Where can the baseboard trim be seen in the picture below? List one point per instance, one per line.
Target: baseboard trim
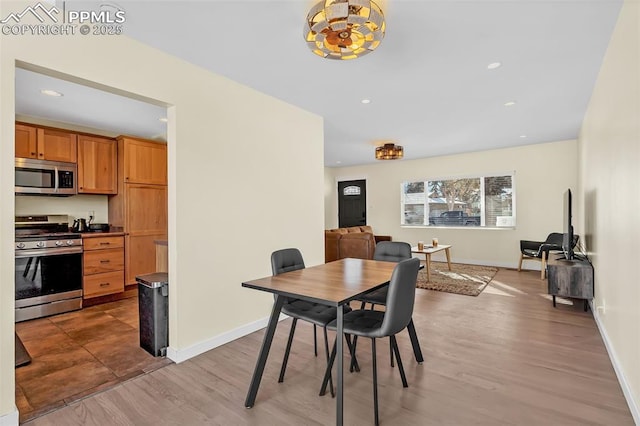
(10, 419)
(626, 390)
(181, 355)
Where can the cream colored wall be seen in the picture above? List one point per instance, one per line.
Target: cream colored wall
(542, 173)
(609, 148)
(75, 206)
(233, 196)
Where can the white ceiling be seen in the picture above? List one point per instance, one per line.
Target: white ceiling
(428, 82)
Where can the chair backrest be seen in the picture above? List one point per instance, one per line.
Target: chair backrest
(554, 238)
(285, 260)
(400, 298)
(392, 251)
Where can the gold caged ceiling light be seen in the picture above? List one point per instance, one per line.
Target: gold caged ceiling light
(344, 29)
(389, 151)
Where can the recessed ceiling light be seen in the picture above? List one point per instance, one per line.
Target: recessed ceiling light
(523, 136)
(163, 119)
(494, 65)
(338, 162)
(510, 103)
(366, 101)
(50, 92)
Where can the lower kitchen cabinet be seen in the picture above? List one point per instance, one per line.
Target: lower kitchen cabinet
(141, 255)
(103, 265)
(104, 283)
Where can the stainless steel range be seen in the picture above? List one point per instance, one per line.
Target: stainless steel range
(48, 266)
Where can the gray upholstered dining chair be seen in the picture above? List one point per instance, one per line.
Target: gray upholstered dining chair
(290, 259)
(378, 324)
(388, 251)
(392, 251)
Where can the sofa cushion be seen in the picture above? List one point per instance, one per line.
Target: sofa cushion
(353, 229)
(360, 245)
(363, 248)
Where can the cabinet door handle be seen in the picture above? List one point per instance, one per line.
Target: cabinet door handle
(106, 243)
(104, 284)
(105, 261)
(33, 153)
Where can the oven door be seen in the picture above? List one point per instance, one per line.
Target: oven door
(47, 274)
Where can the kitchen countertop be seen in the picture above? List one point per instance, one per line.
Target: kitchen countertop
(115, 233)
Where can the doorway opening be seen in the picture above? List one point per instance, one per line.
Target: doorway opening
(75, 352)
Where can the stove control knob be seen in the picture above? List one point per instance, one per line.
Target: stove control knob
(40, 244)
(59, 243)
(20, 245)
(69, 242)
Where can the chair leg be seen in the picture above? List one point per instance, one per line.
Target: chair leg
(543, 270)
(375, 382)
(362, 305)
(353, 365)
(391, 353)
(286, 352)
(327, 373)
(417, 352)
(520, 264)
(326, 350)
(315, 341)
(394, 344)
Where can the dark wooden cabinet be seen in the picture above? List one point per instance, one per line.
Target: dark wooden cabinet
(570, 278)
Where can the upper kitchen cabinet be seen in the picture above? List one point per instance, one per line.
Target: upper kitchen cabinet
(26, 141)
(97, 159)
(145, 162)
(45, 143)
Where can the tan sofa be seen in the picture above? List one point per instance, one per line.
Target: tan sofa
(356, 241)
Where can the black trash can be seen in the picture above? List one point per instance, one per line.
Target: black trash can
(153, 305)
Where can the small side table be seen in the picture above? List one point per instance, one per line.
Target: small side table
(428, 251)
(570, 278)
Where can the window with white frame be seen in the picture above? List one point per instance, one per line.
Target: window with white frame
(478, 201)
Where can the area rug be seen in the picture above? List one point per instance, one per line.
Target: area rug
(465, 279)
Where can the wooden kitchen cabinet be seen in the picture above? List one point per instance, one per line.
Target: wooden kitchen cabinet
(26, 141)
(97, 162)
(144, 161)
(140, 207)
(144, 260)
(146, 209)
(103, 265)
(45, 143)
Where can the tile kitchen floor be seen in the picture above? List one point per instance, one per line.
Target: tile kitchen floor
(80, 353)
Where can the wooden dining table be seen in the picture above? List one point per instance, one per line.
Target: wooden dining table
(332, 284)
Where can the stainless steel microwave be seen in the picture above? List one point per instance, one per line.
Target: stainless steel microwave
(40, 177)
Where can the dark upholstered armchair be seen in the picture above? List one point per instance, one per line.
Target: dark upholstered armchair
(539, 250)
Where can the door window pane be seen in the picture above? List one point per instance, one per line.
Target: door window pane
(351, 190)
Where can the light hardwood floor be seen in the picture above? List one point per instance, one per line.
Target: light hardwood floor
(505, 357)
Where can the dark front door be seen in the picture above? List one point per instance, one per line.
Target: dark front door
(352, 203)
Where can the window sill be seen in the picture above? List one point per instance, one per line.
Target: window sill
(486, 228)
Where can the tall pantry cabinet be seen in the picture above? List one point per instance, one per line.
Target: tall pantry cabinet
(140, 207)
